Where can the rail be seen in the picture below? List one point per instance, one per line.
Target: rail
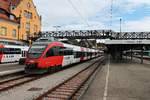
(68, 89)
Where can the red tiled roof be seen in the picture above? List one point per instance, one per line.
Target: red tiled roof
(4, 5)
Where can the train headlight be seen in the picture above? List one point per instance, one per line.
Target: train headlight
(31, 61)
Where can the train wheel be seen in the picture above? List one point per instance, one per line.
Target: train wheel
(50, 69)
(60, 67)
(53, 69)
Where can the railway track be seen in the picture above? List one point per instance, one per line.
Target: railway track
(18, 79)
(8, 84)
(11, 76)
(72, 88)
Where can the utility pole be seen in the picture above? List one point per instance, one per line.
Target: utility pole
(111, 14)
(57, 27)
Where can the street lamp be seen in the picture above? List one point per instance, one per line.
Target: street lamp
(120, 24)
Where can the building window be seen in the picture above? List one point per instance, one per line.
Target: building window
(12, 17)
(28, 5)
(28, 14)
(3, 31)
(14, 33)
(12, 7)
(2, 11)
(27, 26)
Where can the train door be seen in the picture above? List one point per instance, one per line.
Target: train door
(82, 54)
(52, 57)
(68, 56)
(6, 54)
(77, 54)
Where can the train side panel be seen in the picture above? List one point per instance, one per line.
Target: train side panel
(68, 56)
(11, 53)
(1, 55)
(58, 54)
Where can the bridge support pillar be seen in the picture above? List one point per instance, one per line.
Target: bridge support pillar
(142, 54)
(126, 56)
(131, 54)
(117, 52)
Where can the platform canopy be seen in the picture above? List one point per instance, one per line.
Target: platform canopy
(127, 42)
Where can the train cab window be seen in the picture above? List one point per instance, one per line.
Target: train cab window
(50, 52)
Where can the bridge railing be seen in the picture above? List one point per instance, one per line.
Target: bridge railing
(96, 34)
(78, 34)
(131, 35)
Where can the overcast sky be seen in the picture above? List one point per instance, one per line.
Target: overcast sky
(94, 14)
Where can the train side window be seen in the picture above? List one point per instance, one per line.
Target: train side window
(68, 51)
(21, 53)
(6, 50)
(50, 52)
(56, 49)
(61, 51)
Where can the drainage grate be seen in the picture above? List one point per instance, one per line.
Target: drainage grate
(34, 89)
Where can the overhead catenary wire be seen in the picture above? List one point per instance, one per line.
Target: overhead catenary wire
(84, 10)
(111, 14)
(78, 12)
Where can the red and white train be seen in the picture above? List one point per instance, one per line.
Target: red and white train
(45, 55)
(12, 53)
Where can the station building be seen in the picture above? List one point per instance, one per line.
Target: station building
(19, 20)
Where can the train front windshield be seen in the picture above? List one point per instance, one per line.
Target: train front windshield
(36, 51)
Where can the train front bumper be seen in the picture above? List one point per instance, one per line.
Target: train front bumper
(33, 69)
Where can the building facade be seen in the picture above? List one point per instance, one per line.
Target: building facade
(8, 22)
(19, 20)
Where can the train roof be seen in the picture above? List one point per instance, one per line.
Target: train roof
(47, 40)
(16, 46)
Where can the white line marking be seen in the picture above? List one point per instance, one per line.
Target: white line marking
(107, 79)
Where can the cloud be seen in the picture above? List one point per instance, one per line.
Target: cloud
(129, 5)
(138, 25)
(95, 12)
(78, 26)
(139, 2)
(61, 12)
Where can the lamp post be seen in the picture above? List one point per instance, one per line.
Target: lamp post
(120, 24)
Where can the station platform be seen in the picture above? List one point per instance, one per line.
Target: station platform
(10, 68)
(121, 81)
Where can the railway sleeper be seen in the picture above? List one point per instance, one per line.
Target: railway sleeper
(68, 90)
(50, 96)
(61, 93)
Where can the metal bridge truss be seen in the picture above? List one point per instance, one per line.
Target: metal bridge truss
(97, 34)
(130, 35)
(90, 34)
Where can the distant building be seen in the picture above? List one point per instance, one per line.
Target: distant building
(19, 20)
